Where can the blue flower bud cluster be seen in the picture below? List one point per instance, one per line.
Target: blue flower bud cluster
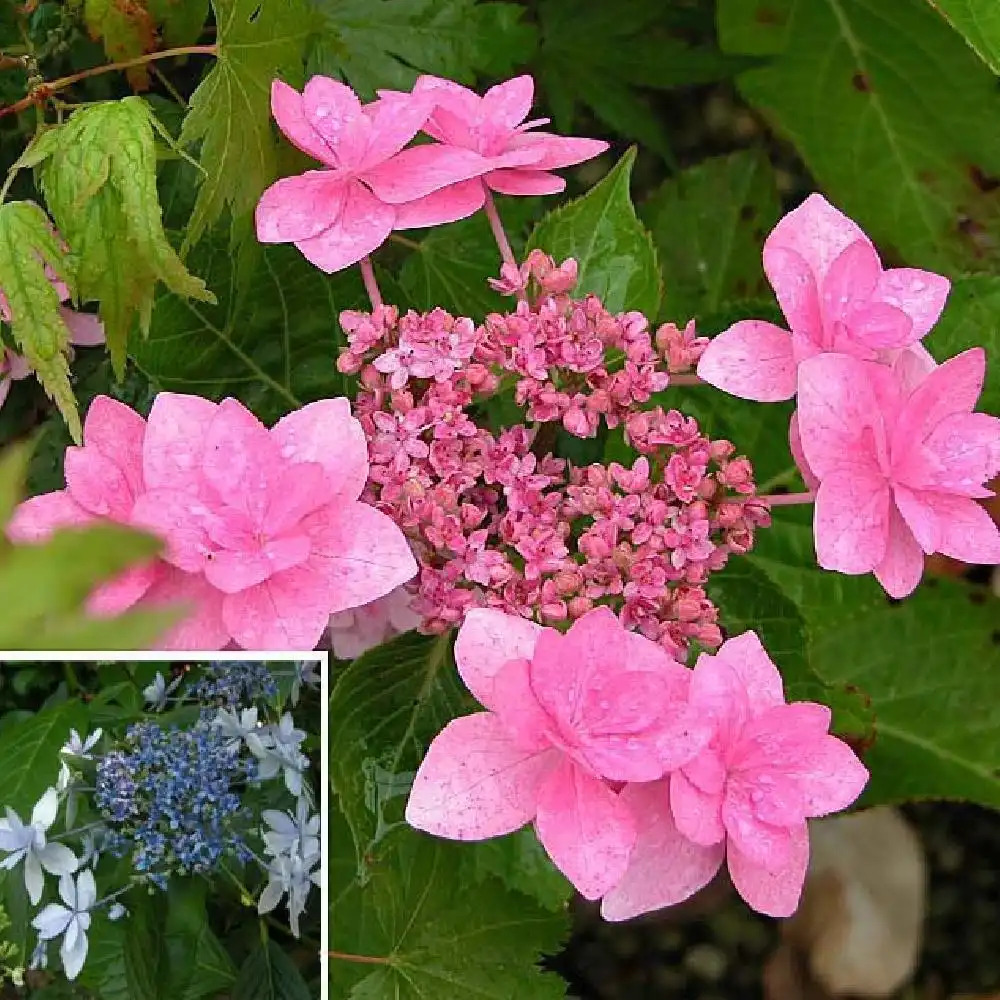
(235, 682)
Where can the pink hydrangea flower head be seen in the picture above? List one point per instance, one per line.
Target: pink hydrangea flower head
(567, 717)
(836, 297)
(514, 157)
(900, 463)
(356, 631)
(340, 214)
(270, 518)
(745, 797)
(104, 479)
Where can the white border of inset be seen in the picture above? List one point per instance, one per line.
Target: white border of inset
(199, 656)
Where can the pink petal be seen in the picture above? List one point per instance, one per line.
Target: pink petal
(299, 490)
(553, 152)
(797, 290)
(850, 281)
(457, 201)
(358, 553)
(527, 723)
(752, 360)
(775, 893)
(879, 326)
(839, 417)
(829, 774)
(911, 365)
(120, 594)
(38, 517)
(758, 841)
(241, 461)
(474, 783)
(203, 628)
(395, 121)
(902, 565)
(968, 533)
(966, 447)
(524, 182)
(173, 515)
(233, 571)
(301, 207)
(175, 440)
(817, 232)
(486, 641)
(718, 692)
(665, 867)
(919, 517)
(795, 446)
(851, 520)
(682, 736)
(585, 828)
(327, 433)
(748, 659)
(363, 226)
(117, 432)
(85, 329)
(97, 484)
(507, 104)
(920, 294)
(334, 112)
(698, 814)
(288, 112)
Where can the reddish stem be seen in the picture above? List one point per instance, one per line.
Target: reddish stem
(788, 499)
(363, 959)
(371, 285)
(497, 226)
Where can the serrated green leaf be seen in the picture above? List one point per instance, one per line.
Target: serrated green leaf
(27, 245)
(386, 708)
(180, 21)
(928, 663)
(614, 253)
(273, 339)
(98, 172)
(126, 30)
(520, 862)
(885, 104)
(230, 110)
(979, 23)
(709, 223)
(377, 44)
(269, 974)
(430, 936)
(972, 319)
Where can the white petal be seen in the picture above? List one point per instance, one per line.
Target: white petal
(73, 958)
(34, 880)
(46, 809)
(86, 890)
(52, 921)
(58, 859)
(270, 897)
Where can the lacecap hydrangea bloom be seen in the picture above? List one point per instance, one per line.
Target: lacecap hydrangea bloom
(265, 534)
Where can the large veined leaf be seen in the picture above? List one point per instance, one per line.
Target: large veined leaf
(272, 341)
(979, 23)
(615, 254)
(377, 44)
(885, 103)
(709, 223)
(269, 974)
(230, 111)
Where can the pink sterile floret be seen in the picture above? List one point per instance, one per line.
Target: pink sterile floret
(836, 297)
(490, 130)
(356, 631)
(900, 464)
(568, 717)
(339, 215)
(265, 534)
(746, 796)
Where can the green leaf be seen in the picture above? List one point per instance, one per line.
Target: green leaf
(181, 21)
(979, 23)
(520, 862)
(638, 48)
(98, 172)
(126, 30)
(427, 935)
(377, 44)
(27, 245)
(386, 708)
(929, 665)
(230, 110)
(272, 340)
(30, 751)
(709, 223)
(885, 104)
(143, 951)
(269, 974)
(615, 254)
(972, 319)
(197, 963)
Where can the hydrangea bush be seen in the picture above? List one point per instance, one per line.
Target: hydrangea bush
(607, 516)
(197, 793)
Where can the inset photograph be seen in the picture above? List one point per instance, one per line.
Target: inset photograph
(161, 830)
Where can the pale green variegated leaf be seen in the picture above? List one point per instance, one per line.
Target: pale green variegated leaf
(27, 245)
(98, 172)
(230, 112)
(615, 254)
(979, 23)
(379, 44)
(709, 223)
(886, 104)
